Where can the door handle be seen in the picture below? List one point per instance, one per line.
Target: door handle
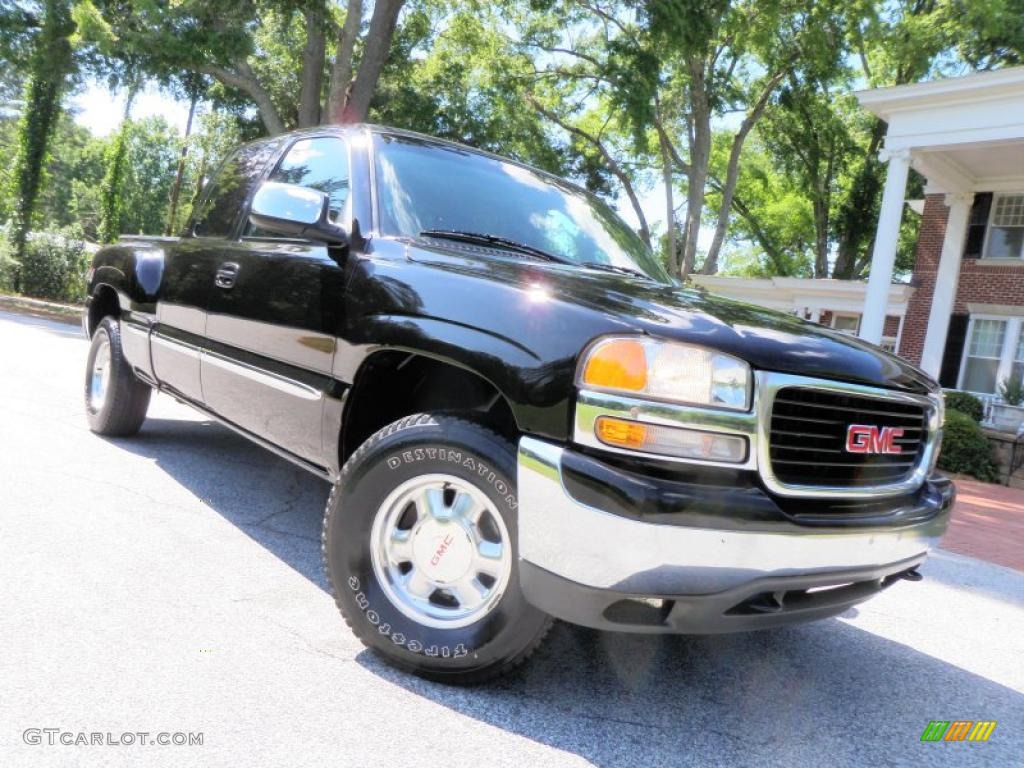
(226, 275)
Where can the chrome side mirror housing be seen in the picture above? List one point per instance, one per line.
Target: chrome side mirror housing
(294, 211)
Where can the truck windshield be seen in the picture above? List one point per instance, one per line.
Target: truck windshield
(426, 188)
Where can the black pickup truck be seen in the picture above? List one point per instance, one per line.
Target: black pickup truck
(522, 415)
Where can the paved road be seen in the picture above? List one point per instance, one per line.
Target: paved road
(171, 583)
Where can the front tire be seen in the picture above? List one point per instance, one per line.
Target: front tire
(420, 549)
(116, 401)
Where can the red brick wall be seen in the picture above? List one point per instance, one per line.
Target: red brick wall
(892, 326)
(929, 249)
(981, 283)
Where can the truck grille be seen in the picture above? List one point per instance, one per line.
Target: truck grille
(808, 438)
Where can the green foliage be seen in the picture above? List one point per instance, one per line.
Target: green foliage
(467, 86)
(593, 91)
(8, 263)
(112, 189)
(1012, 391)
(50, 65)
(772, 232)
(965, 449)
(965, 403)
(54, 266)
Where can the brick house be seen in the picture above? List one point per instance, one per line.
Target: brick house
(964, 322)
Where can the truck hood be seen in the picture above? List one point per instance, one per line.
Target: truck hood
(766, 339)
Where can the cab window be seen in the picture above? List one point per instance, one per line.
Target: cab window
(225, 195)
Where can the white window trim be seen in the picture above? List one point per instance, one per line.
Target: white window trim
(856, 315)
(988, 231)
(1014, 326)
(894, 341)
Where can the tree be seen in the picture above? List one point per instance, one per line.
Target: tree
(112, 204)
(274, 53)
(49, 68)
(666, 73)
(773, 231)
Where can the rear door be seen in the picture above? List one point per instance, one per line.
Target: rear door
(275, 314)
(190, 267)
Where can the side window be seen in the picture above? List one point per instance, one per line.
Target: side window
(322, 164)
(227, 191)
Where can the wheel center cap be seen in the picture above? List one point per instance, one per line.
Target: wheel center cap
(443, 551)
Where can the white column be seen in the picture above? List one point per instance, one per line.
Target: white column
(946, 280)
(816, 315)
(883, 258)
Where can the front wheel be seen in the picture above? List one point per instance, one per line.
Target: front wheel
(420, 548)
(116, 401)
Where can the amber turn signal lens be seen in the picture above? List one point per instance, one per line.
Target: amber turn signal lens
(671, 441)
(617, 364)
(625, 434)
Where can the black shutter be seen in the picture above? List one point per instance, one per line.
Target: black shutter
(955, 340)
(977, 225)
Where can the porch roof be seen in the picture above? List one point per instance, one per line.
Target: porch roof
(964, 134)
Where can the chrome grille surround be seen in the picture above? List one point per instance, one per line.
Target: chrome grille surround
(755, 424)
(771, 384)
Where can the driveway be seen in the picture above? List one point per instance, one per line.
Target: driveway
(171, 583)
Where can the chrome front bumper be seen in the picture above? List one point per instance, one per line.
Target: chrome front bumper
(598, 550)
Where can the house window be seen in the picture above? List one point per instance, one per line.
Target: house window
(1017, 369)
(994, 354)
(1006, 229)
(984, 353)
(849, 324)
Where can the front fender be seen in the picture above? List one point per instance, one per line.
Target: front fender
(537, 390)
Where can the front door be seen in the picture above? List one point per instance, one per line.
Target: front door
(274, 315)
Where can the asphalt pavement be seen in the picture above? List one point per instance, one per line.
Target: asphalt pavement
(171, 583)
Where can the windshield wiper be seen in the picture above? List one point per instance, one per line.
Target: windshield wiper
(615, 268)
(497, 241)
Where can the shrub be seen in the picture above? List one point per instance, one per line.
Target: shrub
(54, 266)
(1012, 391)
(8, 265)
(965, 449)
(965, 403)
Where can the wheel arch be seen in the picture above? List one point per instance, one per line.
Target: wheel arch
(393, 383)
(104, 302)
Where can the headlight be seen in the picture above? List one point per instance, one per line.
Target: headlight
(667, 371)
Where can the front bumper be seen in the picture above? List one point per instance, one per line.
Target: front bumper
(741, 568)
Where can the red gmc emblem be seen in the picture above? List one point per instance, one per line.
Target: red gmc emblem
(865, 438)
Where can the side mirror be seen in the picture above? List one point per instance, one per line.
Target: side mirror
(288, 209)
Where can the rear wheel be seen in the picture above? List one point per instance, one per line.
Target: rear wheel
(420, 549)
(116, 401)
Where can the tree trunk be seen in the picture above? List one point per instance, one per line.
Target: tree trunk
(244, 79)
(858, 218)
(670, 207)
(732, 175)
(172, 214)
(700, 156)
(341, 70)
(312, 67)
(821, 236)
(376, 48)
